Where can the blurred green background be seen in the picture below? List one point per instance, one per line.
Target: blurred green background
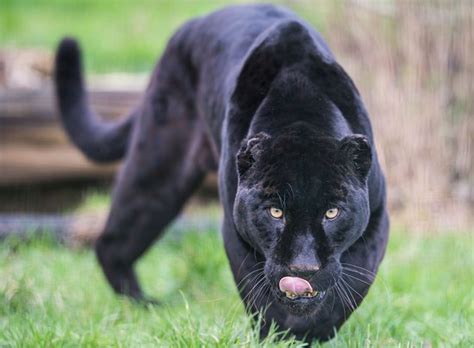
(411, 60)
(118, 35)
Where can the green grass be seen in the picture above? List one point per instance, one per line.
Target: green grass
(54, 296)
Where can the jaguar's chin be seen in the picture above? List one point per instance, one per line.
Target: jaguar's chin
(301, 304)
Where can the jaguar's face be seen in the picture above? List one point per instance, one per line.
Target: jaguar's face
(301, 202)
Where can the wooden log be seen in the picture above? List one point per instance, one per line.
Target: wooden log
(25, 107)
(33, 145)
(74, 230)
(34, 148)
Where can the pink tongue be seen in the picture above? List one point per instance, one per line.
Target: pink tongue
(295, 285)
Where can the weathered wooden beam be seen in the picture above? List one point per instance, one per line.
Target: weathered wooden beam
(75, 230)
(33, 145)
(32, 107)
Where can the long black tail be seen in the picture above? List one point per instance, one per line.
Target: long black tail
(99, 140)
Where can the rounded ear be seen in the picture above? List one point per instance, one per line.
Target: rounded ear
(355, 152)
(249, 151)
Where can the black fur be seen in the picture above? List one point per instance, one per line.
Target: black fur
(254, 92)
(100, 141)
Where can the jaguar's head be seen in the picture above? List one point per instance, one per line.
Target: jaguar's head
(302, 200)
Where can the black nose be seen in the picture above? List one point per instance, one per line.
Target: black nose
(304, 270)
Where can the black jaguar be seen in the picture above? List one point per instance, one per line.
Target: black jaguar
(253, 92)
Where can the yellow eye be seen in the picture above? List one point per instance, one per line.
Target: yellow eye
(276, 213)
(331, 213)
